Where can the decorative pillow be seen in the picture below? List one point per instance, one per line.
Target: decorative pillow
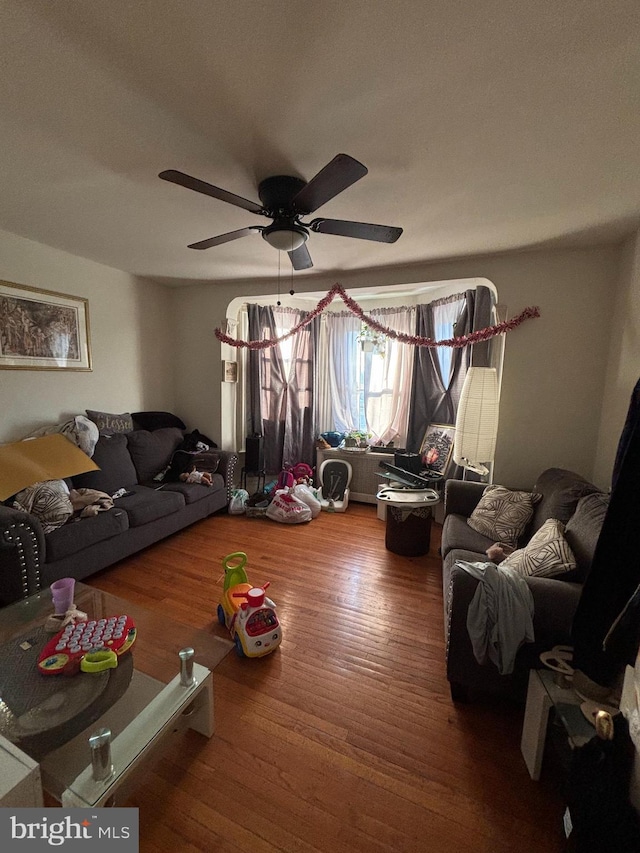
(49, 501)
(108, 423)
(502, 515)
(547, 555)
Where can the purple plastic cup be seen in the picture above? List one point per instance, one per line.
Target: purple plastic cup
(62, 594)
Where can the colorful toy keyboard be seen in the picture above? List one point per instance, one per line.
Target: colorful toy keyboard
(66, 652)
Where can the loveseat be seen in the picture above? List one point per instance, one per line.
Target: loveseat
(31, 559)
(557, 494)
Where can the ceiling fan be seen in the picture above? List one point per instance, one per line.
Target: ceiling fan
(286, 200)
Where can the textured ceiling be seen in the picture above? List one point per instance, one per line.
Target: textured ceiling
(485, 126)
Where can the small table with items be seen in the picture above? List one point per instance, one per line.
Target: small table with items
(92, 729)
(547, 690)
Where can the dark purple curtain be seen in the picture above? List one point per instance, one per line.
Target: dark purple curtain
(281, 396)
(431, 401)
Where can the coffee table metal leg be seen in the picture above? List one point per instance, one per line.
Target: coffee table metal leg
(534, 727)
(201, 717)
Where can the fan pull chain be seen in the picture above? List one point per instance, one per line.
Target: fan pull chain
(278, 302)
(291, 292)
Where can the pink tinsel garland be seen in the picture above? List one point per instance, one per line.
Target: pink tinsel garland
(413, 340)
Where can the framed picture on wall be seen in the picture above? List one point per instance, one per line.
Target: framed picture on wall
(230, 371)
(437, 447)
(43, 330)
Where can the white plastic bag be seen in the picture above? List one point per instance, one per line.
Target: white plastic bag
(238, 502)
(308, 495)
(288, 509)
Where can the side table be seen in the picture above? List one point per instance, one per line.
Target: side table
(548, 689)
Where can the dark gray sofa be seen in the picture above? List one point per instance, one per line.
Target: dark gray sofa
(565, 496)
(31, 560)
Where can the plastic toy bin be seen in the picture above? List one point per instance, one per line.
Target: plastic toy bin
(408, 530)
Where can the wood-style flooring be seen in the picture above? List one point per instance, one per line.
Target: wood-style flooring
(345, 739)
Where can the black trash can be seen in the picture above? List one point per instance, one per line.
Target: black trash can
(408, 531)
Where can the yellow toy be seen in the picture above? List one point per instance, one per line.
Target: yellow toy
(246, 611)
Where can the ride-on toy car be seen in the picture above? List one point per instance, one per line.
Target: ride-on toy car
(246, 611)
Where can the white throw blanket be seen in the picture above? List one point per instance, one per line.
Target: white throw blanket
(500, 616)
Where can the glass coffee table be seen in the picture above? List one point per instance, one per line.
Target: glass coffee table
(93, 733)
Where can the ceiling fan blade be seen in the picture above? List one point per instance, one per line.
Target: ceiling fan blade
(360, 230)
(225, 238)
(300, 258)
(336, 176)
(208, 189)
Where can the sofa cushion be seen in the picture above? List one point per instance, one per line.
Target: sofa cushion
(456, 533)
(152, 451)
(80, 533)
(546, 555)
(147, 504)
(502, 514)
(560, 491)
(194, 492)
(109, 423)
(116, 468)
(583, 530)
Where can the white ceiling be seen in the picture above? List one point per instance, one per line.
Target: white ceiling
(485, 126)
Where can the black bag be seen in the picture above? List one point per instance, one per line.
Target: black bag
(193, 439)
(598, 795)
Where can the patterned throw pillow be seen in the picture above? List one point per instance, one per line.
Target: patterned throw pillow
(547, 555)
(49, 501)
(502, 515)
(108, 423)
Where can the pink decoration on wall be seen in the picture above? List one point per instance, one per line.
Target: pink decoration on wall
(412, 340)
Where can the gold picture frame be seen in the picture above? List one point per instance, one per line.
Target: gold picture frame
(437, 447)
(42, 329)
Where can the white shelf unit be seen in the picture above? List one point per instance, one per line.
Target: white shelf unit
(367, 473)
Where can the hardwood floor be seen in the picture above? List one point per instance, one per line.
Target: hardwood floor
(345, 739)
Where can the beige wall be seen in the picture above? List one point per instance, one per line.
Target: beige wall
(623, 366)
(559, 370)
(554, 370)
(131, 342)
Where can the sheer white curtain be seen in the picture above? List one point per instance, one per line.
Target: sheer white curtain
(387, 379)
(322, 388)
(344, 370)
(445, 315)
(364, 390)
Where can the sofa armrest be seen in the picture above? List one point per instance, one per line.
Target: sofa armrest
(22, 553)
(555, 602)
(227, 467)
(462, 496)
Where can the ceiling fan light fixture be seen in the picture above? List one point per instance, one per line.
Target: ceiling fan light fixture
(285, 237)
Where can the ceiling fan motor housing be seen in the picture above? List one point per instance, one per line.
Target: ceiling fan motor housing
(277, 193)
